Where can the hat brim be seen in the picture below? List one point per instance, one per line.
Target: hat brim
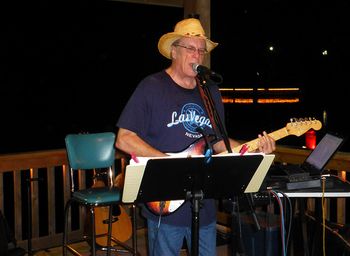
(167, 40)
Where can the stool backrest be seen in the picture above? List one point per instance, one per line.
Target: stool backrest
(91, 151)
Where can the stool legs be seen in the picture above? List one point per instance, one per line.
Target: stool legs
(109, 238)
(134, 229)
(132, 250)
(66, 230)
(93, 231)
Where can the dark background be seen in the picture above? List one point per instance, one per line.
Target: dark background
(71, 66)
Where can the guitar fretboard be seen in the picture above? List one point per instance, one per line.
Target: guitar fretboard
(254, 144)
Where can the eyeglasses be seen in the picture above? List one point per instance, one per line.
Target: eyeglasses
(191, 49)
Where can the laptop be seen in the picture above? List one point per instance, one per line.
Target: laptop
(317, 160)
(308, 173)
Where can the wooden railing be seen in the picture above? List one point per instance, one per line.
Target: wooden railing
(45, 174)
(19, 173)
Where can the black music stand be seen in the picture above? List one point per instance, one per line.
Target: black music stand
(194, 179)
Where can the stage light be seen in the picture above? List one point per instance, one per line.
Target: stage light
(310, 139)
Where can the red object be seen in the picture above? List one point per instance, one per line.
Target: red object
(134, 157)
(244, 149)
(310, 139)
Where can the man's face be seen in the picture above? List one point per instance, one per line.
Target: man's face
(188, 51)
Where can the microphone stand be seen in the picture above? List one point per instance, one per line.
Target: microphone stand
(220, 129)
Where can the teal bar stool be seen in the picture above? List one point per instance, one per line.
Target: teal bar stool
(88, 152)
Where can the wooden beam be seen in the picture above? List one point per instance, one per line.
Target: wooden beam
(1, 192)
(17, 197)
(200, 9)
(51, 200)
(173, 3)
(36, 159)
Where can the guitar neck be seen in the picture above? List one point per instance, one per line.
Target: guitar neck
(254, 144)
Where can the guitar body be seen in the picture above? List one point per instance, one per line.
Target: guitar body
(121, 222)
(296, 127)
(121, 227)
(164, 207)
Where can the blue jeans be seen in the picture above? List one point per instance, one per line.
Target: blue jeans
(168, 239)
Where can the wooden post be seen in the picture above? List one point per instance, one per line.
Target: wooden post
(341, 203)
(199, 9)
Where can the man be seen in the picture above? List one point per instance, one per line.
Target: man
(163, 116)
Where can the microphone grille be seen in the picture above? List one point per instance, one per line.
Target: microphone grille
(195, 67)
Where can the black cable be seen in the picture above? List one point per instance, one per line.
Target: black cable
(290, 216)
(161, 208)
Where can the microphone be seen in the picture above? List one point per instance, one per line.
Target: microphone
(205, 72)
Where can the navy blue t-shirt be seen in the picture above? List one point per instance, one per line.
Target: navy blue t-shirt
(166, 116)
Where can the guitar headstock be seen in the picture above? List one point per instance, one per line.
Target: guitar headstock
(298, 126)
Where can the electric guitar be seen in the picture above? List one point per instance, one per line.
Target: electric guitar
(296, 127)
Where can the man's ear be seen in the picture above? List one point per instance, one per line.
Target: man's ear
(173, 52)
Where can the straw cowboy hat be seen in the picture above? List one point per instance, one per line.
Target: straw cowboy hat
(189, 28)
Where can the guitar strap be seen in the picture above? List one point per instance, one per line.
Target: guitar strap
(208, 108)
(218, 126)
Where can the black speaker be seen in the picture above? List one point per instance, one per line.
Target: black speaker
(265, 241)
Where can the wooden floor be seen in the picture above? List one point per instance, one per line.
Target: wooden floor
(222, 250)
(267, 240)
